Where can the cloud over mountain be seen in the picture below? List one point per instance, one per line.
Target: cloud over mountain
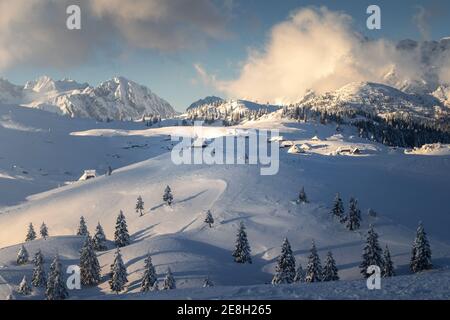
(318, 49)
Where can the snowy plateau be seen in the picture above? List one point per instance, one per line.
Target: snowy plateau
(43, 154)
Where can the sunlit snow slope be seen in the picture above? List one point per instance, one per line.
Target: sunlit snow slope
(403, 188)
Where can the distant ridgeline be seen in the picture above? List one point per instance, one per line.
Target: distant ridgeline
(229, 112)
(399, 129)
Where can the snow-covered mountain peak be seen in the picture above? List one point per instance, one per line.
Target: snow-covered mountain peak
(117, 98)
(46, 84)
(375, 98)
(209, 100)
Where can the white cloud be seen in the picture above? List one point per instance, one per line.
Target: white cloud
(34, 32)
(316, 49)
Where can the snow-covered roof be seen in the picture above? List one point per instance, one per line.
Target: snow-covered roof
(88, 174)
(287, 144)
(305, 146)
(348, 149)
(276, 139)
(295, 149)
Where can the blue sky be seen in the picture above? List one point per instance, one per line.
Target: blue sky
(171, 73)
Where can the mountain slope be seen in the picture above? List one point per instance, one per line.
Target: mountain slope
(408, 188)
(205, 101)
(376, 99)
(233, 111)
(115, 99)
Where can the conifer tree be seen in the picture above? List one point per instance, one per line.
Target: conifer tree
(338, 209)
(31, 234)
(421, 252)
(149, 278)
(169, 281)
(118, 274)
(302, 198)
(89, 265)
(121, 236)
(372, 254)
(140, 206)
(38, 279)
(168, 197)
(56, 289)
(99, 239)
(388, 265)
(22, 256)
(354, 216)
(207, 283)
(330, 271)
(82, 228)
(285, 269)
(242, 251)
(209, 218)
(24, 287)
(314, 267)
(43, 231)
(299, 274)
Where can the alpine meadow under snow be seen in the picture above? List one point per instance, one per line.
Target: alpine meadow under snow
(146, 228)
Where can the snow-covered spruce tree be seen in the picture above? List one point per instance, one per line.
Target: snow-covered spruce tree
(140, 206)
(338, 209)
(285, 269)
(149, 278)
(118, 274)
(99, 239)
(421, 252)
(56, 289)
(24, 287)
(89, 265)
(38, 279)
(168, 197)
(314, 267)
(38, 258)
(31, 234)
(207, 283)
(242, 251)
(43, 231)
(388, 265)
(302, 198)
(209, 218)
(121, 236)
(372, 253)
(82, 228)
(169, 281)
(22, 256)
(354, 215)
(330, 271)
(299, 274)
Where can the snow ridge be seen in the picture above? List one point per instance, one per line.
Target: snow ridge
(115, 99)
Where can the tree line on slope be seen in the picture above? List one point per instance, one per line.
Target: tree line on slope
(395, 130)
